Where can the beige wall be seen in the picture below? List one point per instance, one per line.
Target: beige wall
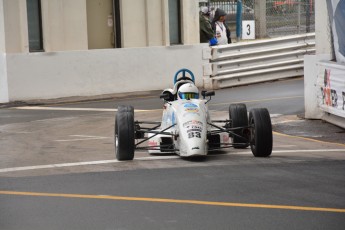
(154, 22)
(133, 23)
(100, 33)
(2, 28)
(82, 24)
(190, 22)
(146, 22)
(64, 25)
(15, 38)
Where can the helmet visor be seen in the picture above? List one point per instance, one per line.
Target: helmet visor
(188, 95)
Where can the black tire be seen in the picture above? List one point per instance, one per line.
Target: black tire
(124, 133)
(239, 118)
(261, 142)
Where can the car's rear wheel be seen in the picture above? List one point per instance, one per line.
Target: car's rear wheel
(124, 133)
(239, 118)
(261, 142)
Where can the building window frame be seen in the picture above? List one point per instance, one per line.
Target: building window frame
(35, 28)
(175, 31)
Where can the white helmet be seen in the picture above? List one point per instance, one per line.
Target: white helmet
(188, 91)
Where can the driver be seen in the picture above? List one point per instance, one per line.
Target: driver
(188, 91)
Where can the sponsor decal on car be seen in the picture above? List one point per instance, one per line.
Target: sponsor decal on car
(194, 128)
(192, 122)
(191, 110)
(226, 138)
(152, 143)
(190, 105)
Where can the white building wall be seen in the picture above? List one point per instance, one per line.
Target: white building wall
(97, 72)
(78, 71)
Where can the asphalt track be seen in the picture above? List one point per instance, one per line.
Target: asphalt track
(58, 171)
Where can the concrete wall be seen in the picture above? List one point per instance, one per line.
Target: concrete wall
(312, 110)
(3, 79)
(64, 25)
(97, 72)
(323, 38)
(323, 34)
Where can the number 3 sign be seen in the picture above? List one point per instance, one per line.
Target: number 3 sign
(248, 29)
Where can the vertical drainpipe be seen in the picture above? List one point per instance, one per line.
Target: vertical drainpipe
(239, 20)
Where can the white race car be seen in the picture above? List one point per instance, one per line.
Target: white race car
(187, 129)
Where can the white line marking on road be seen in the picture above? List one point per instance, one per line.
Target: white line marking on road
(309, 150)
(71, 109)
(83, 138)
(50, 166)
(259, 100)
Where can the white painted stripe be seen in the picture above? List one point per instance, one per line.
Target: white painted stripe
(64, 109)
(50, 166)
(83, 138)
(72, 109)
(309, 150)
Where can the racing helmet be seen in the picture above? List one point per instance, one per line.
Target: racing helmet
(188, 91)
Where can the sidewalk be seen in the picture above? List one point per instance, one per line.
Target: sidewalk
(310, 129)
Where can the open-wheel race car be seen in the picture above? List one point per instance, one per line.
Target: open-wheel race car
(186, 128)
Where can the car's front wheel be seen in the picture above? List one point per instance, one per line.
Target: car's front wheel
(261, 140)
(124, 133)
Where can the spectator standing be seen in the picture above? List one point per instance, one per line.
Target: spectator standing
(212, 11)
(221, 28)
(206, 31)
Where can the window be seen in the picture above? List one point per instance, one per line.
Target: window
(174, 22)
(34, 25)
(117, 24)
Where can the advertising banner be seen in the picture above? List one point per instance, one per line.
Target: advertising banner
(336, 12)
(331, 84)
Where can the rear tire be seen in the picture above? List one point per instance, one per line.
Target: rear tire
(261, 142)
(239, 118)
(124, 133)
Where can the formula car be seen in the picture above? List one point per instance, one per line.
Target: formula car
(186, 128)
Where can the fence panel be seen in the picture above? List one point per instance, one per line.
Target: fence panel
(259, 61)
(283, 17)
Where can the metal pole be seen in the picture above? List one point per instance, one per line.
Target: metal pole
(239, 20)
(299, 17)
(307, 22)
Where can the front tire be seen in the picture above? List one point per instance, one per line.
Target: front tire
(239, 118)
(261, 142)
(124, 133)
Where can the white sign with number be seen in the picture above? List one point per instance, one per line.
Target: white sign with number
(248, 29)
